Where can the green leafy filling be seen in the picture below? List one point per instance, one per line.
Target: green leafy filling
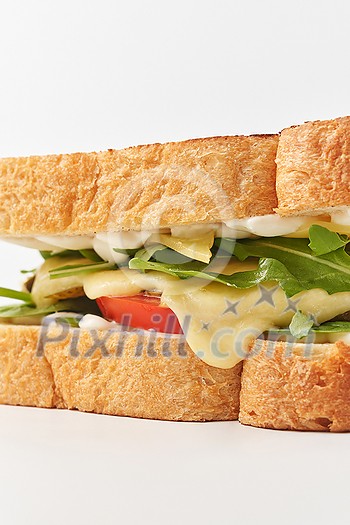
(69, 270)
(329, 327)
(295, 264)
(14, 294)
(79, 305)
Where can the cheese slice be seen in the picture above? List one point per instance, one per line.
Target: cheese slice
(44, 289)
(125, 282)
(197, 248)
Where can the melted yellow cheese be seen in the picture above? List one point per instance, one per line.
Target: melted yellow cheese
(220, 322)
(44, 287)
(197, 248)
(125, 282)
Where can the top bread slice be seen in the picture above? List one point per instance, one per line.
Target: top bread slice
(313, 167)
(145, 187)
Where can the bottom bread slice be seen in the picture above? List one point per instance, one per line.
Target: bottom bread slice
(137, 374)
(148, 375)
(298, 387)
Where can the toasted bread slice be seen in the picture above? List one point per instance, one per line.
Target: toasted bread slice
(313, 167)
(145, 187)
(119, 373)
(297, 388)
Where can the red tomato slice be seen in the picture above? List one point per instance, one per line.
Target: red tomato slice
(140, 311)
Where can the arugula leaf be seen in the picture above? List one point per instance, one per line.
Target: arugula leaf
(183, 271)
(333, 327)
(72, 321)
(148, 252)
(64, 253)
(76, 269)
(131, 252)
(300, 325)
(329, 327)
(268, 270)
(26, 310)
(91, 255)
(14, 294)
(45, 254)
(330, 271)
(225, 244)
(81, 305)
(324, 241)
(162, 254)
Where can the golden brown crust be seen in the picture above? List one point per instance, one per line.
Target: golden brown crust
(24, 378)
(201, 181)
(295, 392)
(127, 376)
(313, 167)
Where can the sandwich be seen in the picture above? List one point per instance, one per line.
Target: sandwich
(203, 280)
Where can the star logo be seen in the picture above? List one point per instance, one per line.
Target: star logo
(291, 306)
(205, 326)
(314, 319)
(231, 307)
(266, 295)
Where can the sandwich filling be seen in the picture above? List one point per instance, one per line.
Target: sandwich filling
(222, 286)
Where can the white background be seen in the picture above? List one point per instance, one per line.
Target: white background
(88, 75)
